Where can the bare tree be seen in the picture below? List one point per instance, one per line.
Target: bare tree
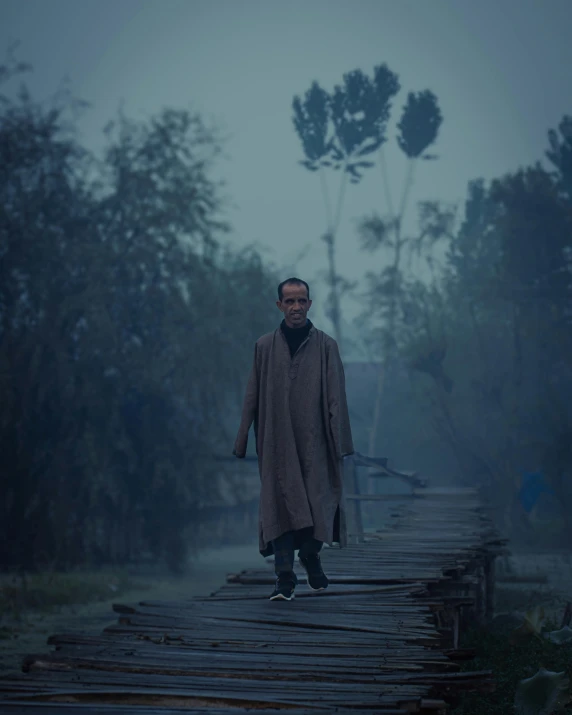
(418, 129)
(336, 132)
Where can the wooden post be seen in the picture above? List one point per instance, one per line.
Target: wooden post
(482, 592)
(489, 586)
(354, 506)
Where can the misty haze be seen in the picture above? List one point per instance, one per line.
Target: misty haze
(315, 251)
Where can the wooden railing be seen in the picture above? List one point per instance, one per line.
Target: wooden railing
(355, 498)
(353, 495)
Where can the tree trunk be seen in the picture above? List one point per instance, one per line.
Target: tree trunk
(389, 354)
(334, 311)
(389, 347)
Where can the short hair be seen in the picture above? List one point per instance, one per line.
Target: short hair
(293, 281)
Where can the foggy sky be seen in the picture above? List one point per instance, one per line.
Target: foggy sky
(500, 69)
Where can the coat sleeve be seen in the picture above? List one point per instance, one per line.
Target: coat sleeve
(337, 403)
(249, 408)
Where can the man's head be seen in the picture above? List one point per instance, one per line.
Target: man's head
(294, 301)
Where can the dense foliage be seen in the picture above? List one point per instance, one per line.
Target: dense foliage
(123, 336)
(488, 339)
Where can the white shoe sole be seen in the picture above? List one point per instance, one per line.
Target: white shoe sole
(281, 597)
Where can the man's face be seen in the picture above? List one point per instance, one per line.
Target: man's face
(294, 304)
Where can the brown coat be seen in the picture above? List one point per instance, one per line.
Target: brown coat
(302, 429)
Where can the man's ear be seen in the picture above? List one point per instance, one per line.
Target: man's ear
(279, 305)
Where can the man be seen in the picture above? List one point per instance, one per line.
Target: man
(296, 399)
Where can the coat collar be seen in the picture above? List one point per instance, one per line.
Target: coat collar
(279, 331)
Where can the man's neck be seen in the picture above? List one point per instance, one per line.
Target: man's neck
(296, 327)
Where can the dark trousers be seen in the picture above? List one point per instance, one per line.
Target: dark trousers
(284, 547)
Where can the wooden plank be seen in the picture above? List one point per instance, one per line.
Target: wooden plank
(90, 686)
(354, 496)
(296, 637)
(361, 460)
(177, 661)
(372, 640)
(376, 651)
(102, 708)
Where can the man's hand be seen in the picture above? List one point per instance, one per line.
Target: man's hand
(239, 456)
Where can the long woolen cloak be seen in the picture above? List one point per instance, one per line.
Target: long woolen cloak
(302, 429)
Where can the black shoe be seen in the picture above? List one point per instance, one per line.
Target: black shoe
(317, 579)
(284, 589)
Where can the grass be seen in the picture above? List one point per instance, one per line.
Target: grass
(510, 663)
(46, 591)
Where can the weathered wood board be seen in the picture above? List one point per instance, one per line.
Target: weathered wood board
(383, 637)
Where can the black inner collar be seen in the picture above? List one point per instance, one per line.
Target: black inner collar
(295, 336)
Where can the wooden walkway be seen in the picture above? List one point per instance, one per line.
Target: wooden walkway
(382, 638)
